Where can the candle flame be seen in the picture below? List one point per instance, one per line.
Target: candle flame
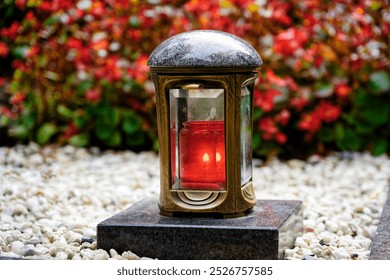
(218, 157)
(206, 157)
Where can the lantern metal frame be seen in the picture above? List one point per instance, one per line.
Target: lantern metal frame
(236, 200)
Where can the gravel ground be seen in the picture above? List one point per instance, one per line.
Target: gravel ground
(51, 199)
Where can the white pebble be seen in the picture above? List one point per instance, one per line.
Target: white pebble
(61, 256)
(20, 209)
(299, 242)
(113, 253)
(76, 257)
(331, 226)
(17, 247)
(87, 254)
(130, 255)
(89, 233)
(101, 256)
(341, 254)
(61, 242)
(72, 237)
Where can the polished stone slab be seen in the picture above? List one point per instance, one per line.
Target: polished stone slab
(270, 228)
(380, 247)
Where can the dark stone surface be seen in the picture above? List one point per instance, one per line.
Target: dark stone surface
(204, 48)
(380, 248)
(264, 233)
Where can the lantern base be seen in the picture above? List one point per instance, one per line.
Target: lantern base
(264, 233)
(203, 215)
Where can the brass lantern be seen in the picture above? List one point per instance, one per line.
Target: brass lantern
(204, 84)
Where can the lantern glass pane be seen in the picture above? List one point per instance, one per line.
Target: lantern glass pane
(197, 135)
(246, 136)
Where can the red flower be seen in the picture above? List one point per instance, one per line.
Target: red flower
(342, 90)
(265, 100)
(268, 127)
(298, 103)
(323, 112)
(310, 122)
(98, 45)
(140, 70)
(280, 11)
(74, 43)
(70, 131)
(281, 82)
(135, 35)
(281, 138)
(2, 81)
(4, 50)
(93, 95)
(32, 51)
(328, 112)
(8, 113)
(97, 9)
(18, 98)
(270, 131)
(11, 32)
(21, 4)
(287, 42)
(283, 117)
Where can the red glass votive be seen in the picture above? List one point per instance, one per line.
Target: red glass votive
(202, 155)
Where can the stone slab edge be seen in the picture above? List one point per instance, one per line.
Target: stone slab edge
(380, 247)
(254, 236)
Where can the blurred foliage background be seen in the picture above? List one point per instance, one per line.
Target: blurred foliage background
(74, 71)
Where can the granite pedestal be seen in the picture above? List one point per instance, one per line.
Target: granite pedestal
(380, 248)
(270, 228)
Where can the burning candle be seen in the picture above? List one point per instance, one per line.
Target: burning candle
(202, 155)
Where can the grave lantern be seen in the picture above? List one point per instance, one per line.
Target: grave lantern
(204, 83)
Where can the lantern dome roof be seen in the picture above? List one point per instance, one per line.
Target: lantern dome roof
(205, 48)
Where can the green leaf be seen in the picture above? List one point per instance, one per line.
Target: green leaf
(45, 132)
(105, 113)
(20, 52)
(136, 140)
(361, 98)
(65, 111)
(339, 131)
(376, 112)
(256, 141)
(80, 140)
(19, 132)
(380, 146)
(257, 114)
(84, 86)
(80, 121)
(131, 123)
(3, 121)
(51, 20)
(323, 89)
(347, 139)
(134, 21)
(364, 128)
(114, 140)
(103, 131)
(326, 134)
(379, 82)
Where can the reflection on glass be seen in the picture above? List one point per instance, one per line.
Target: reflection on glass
(246, 136)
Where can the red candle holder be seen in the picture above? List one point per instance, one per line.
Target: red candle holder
(202, 155)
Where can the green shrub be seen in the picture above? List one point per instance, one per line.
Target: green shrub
(77, 70)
